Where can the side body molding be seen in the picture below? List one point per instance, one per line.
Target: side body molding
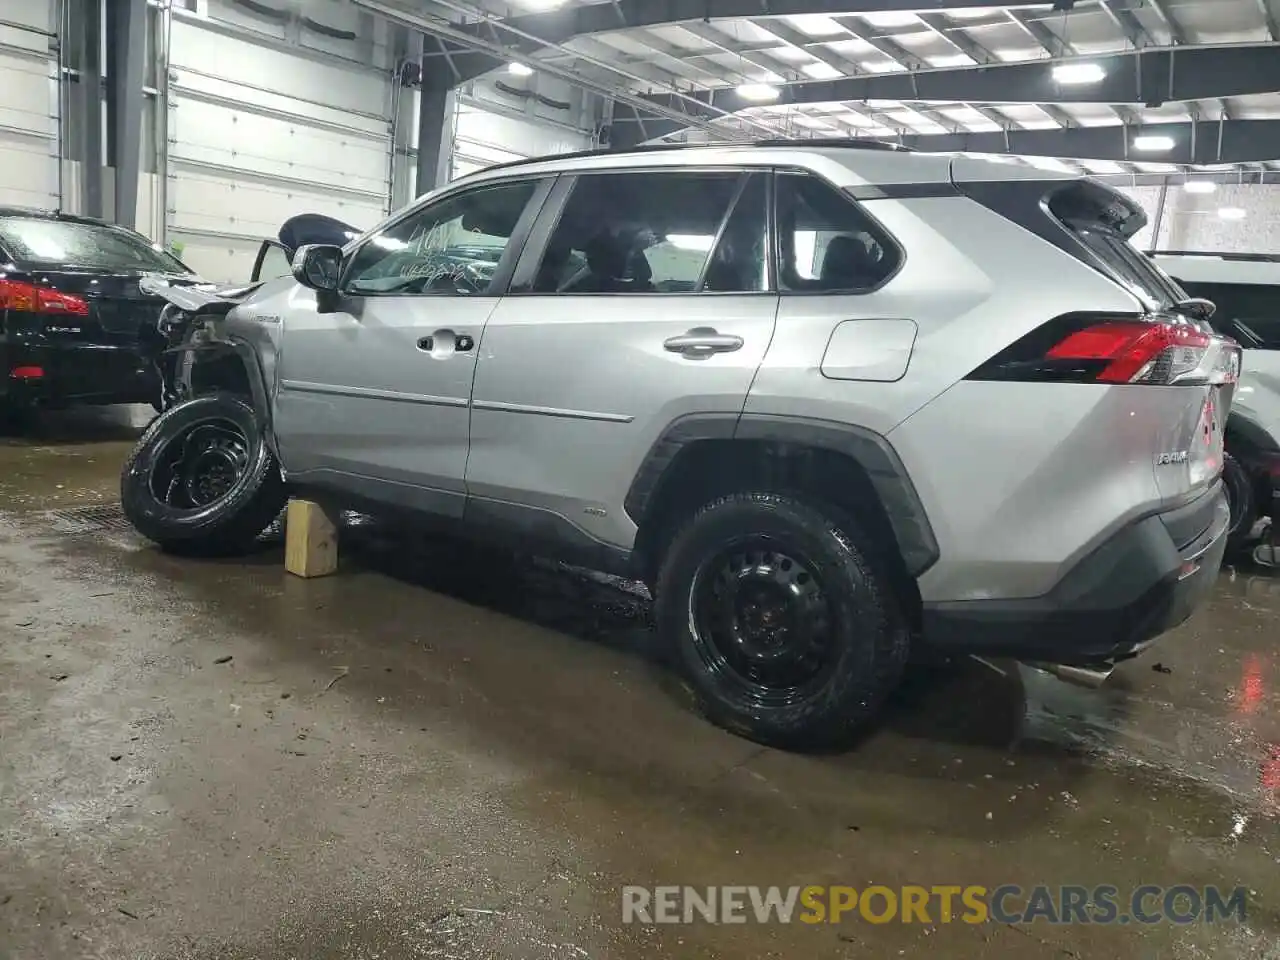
(888, 475)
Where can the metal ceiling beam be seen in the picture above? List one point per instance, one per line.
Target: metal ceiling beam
(1176, 33)
(565, 23)
(1146, 77)
(885, 46)
(1128, 22)
(788, 36)
(954, 34)
(1240, 141)
(1049, 41)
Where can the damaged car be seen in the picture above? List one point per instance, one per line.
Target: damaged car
(831, 402)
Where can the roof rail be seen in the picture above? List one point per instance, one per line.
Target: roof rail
(857, 143)
(1219, 255)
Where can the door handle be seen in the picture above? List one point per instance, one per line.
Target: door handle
(702, 342)
(446, 341)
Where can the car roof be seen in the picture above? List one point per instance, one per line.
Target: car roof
(1196, 267)
(868, 161)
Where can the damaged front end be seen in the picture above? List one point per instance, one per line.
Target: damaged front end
(193, 327)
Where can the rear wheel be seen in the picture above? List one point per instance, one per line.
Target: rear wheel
(1244, 504)
(202, 478)
(786, 629)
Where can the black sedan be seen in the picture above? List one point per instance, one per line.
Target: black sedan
(74, 326)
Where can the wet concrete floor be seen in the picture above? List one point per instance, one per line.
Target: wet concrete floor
(446, 752)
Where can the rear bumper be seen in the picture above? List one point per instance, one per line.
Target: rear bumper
(1145, 580)
(76, 373)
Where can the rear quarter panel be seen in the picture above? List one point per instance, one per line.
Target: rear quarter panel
(1017, 479)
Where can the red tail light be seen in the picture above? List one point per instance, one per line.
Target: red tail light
(1136, 352)
(27, 373)
(30, 298)
(1081, 348)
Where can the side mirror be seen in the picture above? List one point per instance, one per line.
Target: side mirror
(318, 266)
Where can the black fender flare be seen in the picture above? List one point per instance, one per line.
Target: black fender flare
(888, 475)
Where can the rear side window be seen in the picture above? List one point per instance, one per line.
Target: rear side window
(1248, 312)
(658, 232)
(38, 241)
(826, 243)
(1103, 221)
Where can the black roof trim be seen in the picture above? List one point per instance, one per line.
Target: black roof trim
(821, 143)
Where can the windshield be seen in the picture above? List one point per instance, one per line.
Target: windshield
(92, 246)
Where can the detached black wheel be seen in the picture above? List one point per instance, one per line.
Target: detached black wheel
(786, 630)
(202, 479)
(1244, 505)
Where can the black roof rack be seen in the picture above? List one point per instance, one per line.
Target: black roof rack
(856, 143)
(1244, 257)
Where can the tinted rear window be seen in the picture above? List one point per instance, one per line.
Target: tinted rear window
(64, 243)
(1103, 221)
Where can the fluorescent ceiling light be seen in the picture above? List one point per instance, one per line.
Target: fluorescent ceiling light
(1153, 143)
(1200, 186)
(519, 70)
(821, 71)
(891, 19)
(1231, 213)
(1073, 73)
(758, 91)
(972, 13)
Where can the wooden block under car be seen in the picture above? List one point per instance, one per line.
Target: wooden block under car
(310, 540)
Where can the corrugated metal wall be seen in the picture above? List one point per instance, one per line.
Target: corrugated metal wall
(28, 104)
(263, 127)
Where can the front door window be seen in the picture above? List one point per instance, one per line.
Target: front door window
(450, 247)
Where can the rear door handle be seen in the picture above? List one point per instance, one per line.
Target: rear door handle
(702, 342)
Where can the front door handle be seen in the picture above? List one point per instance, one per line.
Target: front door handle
(702, 342)
(444, 342)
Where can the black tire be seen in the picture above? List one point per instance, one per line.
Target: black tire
(839, 610)
(218, 503)
(1244, 504)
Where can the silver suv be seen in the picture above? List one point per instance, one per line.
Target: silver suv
(829, 401)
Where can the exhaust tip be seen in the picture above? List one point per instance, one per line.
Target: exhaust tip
(1090, 677)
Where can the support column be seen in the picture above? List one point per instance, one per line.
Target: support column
(86, 105)
(408, 57)
(434, 115)
(126, 71)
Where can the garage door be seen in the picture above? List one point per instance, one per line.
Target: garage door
(28, 105)
(482, 138)
(257, 135)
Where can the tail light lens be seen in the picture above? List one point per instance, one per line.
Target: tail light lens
(30, 298)
(1084, 348)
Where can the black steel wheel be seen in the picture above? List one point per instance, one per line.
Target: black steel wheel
(759, 619)
(202, 478)
(788, 631)
(200, 464)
